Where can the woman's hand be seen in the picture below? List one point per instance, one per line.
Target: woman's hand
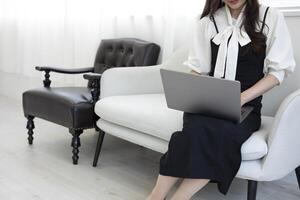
(261, 87)
(243, 99)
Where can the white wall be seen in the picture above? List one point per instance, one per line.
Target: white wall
(12, 85)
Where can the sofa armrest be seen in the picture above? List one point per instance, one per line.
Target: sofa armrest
(131, 80)
(92, 76)
(94, 79)
(47, 70)
(284, 140)
(65, 71)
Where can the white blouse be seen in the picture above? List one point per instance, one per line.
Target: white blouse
(279, 60)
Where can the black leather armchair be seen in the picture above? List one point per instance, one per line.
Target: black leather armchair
(73, 107)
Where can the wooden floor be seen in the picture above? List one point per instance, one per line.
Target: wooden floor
(126, 171)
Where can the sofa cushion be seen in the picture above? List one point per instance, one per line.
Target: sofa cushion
(148, 113)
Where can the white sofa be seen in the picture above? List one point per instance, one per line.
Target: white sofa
(132, 106)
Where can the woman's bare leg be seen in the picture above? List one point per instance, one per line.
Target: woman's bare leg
(188, 188)
(162, 187)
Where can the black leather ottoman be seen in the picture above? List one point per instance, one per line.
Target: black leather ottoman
(59, 105)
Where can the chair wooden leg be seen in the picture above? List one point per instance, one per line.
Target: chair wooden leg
(252, 188)
(30, 127)
(297, 170)
(75, 144)
(98, 148)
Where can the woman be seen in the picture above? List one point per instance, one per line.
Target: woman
(237, 40)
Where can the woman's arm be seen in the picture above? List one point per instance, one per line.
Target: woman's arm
(279, 60)
(262, 86)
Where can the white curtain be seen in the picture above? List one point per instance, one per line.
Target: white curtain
(66, 33)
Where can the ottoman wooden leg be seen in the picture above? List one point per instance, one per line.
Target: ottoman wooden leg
(75, 144)
(30, 127)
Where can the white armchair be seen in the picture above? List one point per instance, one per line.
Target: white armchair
(132, 106)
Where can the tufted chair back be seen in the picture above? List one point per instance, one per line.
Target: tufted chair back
(125, 52)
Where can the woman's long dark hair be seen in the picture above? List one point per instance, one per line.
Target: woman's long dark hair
(250, 22)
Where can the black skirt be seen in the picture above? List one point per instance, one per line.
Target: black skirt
(208, 148)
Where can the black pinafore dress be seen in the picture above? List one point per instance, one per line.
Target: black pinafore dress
(209, 147)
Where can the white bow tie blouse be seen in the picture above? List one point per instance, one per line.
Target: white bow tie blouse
(279, 59)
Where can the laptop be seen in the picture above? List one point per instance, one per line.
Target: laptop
(204, 94)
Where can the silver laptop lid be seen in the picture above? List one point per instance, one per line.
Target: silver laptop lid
(202, 94)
